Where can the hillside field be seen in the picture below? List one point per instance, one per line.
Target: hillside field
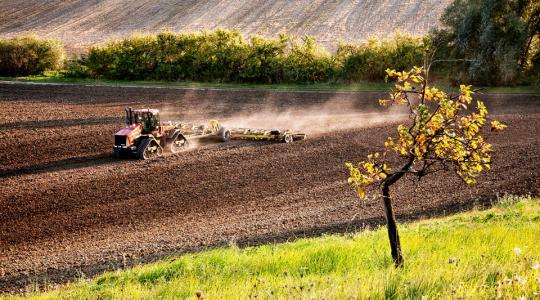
(80, 23)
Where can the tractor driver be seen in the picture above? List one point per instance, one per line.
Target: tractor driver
(149, 122)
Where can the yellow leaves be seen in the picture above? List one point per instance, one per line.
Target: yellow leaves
(428, 96)
(465, 98)
(417, 79)
(406, 79)
(398, 96)
(375, 155)
(421, 139)
(391, 73)
(465, 94)
(369, 166)
(464, 101)
(481, 108)
(407, 86)
(473, 128)
(442, 131)
(383, 102)
(366, 173)
(434, 94)
(470, 180)
(497, 126)
(420, 147)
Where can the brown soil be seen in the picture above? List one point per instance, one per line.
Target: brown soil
(80, 23)
(67, 208)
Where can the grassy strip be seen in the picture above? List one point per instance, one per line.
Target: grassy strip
(353, 87)
(333, 87)
(473, 255)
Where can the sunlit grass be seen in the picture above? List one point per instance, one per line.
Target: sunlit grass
(474, 255)
(56, 77)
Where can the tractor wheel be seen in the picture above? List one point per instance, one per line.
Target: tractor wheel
(115, 153)
(224, 134)
(148, 148)
(288, 138)
(178, 143)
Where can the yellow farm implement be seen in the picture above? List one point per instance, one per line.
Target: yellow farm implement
(276, 135)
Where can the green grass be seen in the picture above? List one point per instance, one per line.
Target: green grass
(473, 255)
(55, 77)
(353, 87)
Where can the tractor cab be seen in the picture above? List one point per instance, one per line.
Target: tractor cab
(147, 118)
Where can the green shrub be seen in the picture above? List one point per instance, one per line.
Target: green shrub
(306, 62)
(369, 61)
(29, 55)
(128, 59)
(265, 60)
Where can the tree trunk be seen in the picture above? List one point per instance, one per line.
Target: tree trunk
(393, 235)
(523, 59)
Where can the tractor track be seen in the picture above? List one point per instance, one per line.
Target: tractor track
(67, 208)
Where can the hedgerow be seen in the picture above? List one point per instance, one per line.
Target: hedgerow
(225, 56)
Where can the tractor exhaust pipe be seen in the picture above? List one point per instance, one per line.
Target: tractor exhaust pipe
(129, 116)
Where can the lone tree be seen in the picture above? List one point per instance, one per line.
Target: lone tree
(441, 135)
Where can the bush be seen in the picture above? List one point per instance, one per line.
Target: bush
(29, 55)
(306, 62)
(127, 59)
(369, 61)
(265, 60)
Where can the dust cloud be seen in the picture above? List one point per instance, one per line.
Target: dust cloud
(314, 120)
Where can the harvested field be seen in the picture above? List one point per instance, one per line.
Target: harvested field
(67, 208)
(80, 23)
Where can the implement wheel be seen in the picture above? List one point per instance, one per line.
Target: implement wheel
(148, 148)
(288, 138)
(224, 135)
(178, 143)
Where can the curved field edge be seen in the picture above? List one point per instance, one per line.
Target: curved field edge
(331, 87)
(478, 254)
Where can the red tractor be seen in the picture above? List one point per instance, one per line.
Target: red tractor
(146, 137)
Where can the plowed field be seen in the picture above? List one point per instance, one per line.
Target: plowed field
(67, 208)
(80, 23)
